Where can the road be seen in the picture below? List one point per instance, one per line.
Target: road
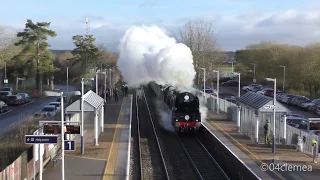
(295, 110)
(20, 113)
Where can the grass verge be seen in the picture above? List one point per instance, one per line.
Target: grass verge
(12, 141)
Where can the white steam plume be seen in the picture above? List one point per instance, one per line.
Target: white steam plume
(148, 54)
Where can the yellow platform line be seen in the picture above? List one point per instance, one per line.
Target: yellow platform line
(113, 154)
(245, 149)
(84, 157)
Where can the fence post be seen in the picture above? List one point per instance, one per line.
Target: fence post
(284, 129)
(314, 151)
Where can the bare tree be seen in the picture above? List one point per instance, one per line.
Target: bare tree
(7, 47)
(199, 36)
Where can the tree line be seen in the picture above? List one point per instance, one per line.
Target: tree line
(269, 59)
(27, 54)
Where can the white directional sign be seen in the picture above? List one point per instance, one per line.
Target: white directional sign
(268, 106)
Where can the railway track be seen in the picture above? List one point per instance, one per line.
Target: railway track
(151, 160)
(203, 163)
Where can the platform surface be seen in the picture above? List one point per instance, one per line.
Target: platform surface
(254, 155)
(106, 161)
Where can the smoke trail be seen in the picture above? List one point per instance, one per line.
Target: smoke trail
(165, 116)
(148, 54)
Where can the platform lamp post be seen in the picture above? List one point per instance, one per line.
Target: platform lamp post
(67, 79)
(97, 88)
(284, 76)
(218, 82)
(274, 113)
(254, 73)
(111, 92)
(239, 109)
(82, 104)
(204, 85)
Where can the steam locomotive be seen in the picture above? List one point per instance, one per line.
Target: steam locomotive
(184, 106)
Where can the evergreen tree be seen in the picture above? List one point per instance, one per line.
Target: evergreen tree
(34, 40)
(86, 53)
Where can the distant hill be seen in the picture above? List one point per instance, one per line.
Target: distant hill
(56, 51)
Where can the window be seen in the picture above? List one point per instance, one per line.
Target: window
(48, 109)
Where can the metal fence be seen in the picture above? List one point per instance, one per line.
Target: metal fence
(248, 122)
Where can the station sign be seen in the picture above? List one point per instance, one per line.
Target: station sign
(268, 106)
(56, 129)
(41, 139)
(69, 145)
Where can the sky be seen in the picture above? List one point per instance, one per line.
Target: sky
(237, 23)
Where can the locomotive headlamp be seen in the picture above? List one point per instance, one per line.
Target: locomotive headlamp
(186, 97)
(187, 117)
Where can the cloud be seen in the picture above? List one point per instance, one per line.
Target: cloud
(297, 26)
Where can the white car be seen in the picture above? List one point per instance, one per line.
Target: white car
(57, 104)
(263, 91)
(251, 87)
(308, 104)
(51, 109)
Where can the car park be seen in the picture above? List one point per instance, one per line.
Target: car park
(52, 110)
(56, 104)
(3, 107)
(14, 100)
(25, 97)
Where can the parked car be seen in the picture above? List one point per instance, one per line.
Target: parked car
(294, 115)
(56, 104)
(15, 100)
(3, 107)
(52, 110)
(262, 91)
(208, 90)
(291, 99)
(295, 121)
(269, 92)
(286, 98)
(298, 100)
(230, 83)
(313, 108)
(41, 115)
(7, 89)
(257, 88)
(318, 111)
(226, 95)
(279, 96)
(306, 105)
(4, 94)
(250, 87)
(25, 97)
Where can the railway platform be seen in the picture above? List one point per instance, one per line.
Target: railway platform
(110, 159)
(253, 156)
